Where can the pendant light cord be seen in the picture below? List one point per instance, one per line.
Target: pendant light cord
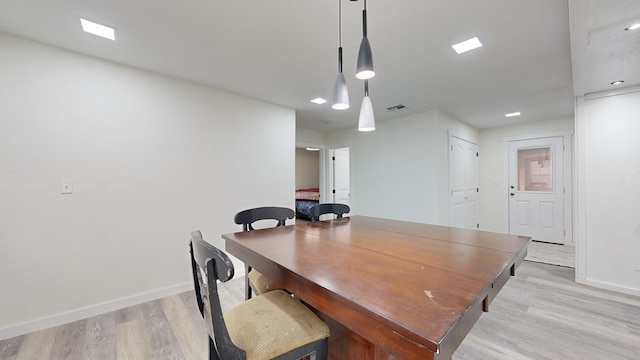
(340, 22)
(340, 36)
(364, 20)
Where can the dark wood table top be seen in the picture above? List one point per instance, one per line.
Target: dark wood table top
(413, 289)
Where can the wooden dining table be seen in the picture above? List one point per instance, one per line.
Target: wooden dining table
(388, 289)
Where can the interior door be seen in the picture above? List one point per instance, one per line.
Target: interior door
(536, 188)
(463, 183)
(341, 190)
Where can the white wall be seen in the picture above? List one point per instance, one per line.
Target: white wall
(307, 168)
(493, 213)
(608, 179)
(306, 137)
(400, 171)
(151, 159)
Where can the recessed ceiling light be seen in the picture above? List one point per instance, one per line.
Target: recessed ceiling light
(517, 113)
(617, 82)
(633, 27)
(319, 101)
(97, 29)
(312, 149)
(467, 45)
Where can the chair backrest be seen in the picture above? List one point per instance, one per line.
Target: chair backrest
(249, 216)
(210, 264)
(328, 208)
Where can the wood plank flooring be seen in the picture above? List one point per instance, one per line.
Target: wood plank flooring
(541, 313)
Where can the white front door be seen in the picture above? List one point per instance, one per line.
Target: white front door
(341, 191)
(536, 188)
(463, 183)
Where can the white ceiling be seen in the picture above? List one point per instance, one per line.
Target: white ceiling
(285, 51)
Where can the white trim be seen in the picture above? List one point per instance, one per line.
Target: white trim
(538, 136)
(569, 175)
(505, 184)
(326, 195)
(452, 133)
(93, 310)
(328, 186)
(304, 145)
(608, 286)
(322, 182)
(608, 93)
(580, 181)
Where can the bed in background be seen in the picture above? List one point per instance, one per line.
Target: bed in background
(305, 198)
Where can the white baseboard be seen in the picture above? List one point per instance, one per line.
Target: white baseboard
(90, 311)
(607, 286)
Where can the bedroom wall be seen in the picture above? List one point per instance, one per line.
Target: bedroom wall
(151, 158)
(307, 168)
(400, 170)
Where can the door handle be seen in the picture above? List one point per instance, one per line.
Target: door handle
(512, 194)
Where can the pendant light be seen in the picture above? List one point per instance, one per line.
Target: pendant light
(340, 99)
(364, 69)
(366, 122)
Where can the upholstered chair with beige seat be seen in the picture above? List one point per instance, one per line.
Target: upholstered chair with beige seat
(274, 325)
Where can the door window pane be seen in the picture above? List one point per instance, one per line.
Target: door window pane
(535, 170)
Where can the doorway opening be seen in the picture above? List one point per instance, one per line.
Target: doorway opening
(308, 181)
(339, 179)
(322, 176)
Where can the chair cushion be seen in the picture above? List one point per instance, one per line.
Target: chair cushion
(272, 324)
(261, 283)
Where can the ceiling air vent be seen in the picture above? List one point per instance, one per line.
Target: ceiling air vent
(396, 107)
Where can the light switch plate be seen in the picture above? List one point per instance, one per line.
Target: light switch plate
(66, 187)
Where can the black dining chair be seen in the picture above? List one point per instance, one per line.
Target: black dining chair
(256, 281)
(328, 208)
(274, 325)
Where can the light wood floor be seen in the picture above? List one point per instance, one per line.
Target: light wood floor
(540, 314)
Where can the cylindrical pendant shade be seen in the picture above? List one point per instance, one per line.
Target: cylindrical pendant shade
(340, 99)
(364, 69)
(366, 121)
